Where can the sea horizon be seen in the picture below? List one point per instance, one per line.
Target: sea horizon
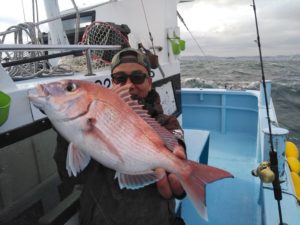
(241, 57)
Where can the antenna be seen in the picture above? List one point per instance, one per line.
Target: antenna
(272, 153)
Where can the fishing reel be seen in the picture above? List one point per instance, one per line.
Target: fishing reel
(264, 172)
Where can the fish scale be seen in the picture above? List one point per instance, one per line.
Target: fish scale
(137, 149)
(126, 138)
(126, 142)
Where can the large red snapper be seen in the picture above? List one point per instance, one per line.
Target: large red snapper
(107, 125)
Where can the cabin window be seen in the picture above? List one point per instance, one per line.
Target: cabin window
(69, 24)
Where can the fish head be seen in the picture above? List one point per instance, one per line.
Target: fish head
(64, 99)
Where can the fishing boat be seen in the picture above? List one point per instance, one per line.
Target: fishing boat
(235, 130)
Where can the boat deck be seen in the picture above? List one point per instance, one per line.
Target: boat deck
(230, 200)
(235, 121)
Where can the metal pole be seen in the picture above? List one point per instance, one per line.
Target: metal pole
(89, 63)
(39, 58)
(77, 22)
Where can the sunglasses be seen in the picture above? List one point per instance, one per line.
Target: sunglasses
(135, 77)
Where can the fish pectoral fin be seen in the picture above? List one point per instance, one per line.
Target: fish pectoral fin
(137, 181)
(77, 160)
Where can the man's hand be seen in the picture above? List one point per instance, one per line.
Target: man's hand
(169, 185)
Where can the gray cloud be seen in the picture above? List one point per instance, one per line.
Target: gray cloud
(6, 22)
(278, 21)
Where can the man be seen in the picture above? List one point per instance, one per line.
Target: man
(102, 201)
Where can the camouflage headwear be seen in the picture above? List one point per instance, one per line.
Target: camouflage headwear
(130, 55)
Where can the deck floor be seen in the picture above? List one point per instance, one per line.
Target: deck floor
(230, 201)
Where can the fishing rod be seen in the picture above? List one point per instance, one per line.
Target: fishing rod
(40, 58)
(152, 41)
(272, 153)
(193, 37)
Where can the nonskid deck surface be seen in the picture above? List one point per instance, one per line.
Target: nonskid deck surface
(230, 201)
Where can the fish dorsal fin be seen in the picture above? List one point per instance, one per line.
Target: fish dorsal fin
(167, 137)
(137, 181)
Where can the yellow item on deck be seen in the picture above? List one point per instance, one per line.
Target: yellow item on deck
(294, 164)
(291, 150)
(292, 156)
(296, 181)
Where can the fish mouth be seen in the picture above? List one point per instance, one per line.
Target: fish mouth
(39, 96)
(42, 90)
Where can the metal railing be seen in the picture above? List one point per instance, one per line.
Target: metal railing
(73, 48)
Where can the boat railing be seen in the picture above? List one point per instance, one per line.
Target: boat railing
(67, 50)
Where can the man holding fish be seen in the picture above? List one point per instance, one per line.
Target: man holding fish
(123, 144)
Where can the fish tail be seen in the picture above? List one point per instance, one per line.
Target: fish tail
(194, 177)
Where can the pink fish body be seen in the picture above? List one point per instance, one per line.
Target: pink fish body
(113, 129)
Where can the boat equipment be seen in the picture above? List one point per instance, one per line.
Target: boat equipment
(264, 172)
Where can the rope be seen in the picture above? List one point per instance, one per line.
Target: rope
(28, 70)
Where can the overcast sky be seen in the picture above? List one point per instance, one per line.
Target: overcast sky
(221, 27)
(227, 27)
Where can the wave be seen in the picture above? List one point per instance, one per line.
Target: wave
(232, 85)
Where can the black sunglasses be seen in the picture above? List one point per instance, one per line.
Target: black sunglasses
(135, 77)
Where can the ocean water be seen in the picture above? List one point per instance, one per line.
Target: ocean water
(245, 73)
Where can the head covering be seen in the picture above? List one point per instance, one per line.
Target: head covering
(130, 55)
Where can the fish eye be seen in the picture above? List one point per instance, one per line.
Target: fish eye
(71, 87)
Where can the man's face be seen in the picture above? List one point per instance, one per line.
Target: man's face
(134, 69)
